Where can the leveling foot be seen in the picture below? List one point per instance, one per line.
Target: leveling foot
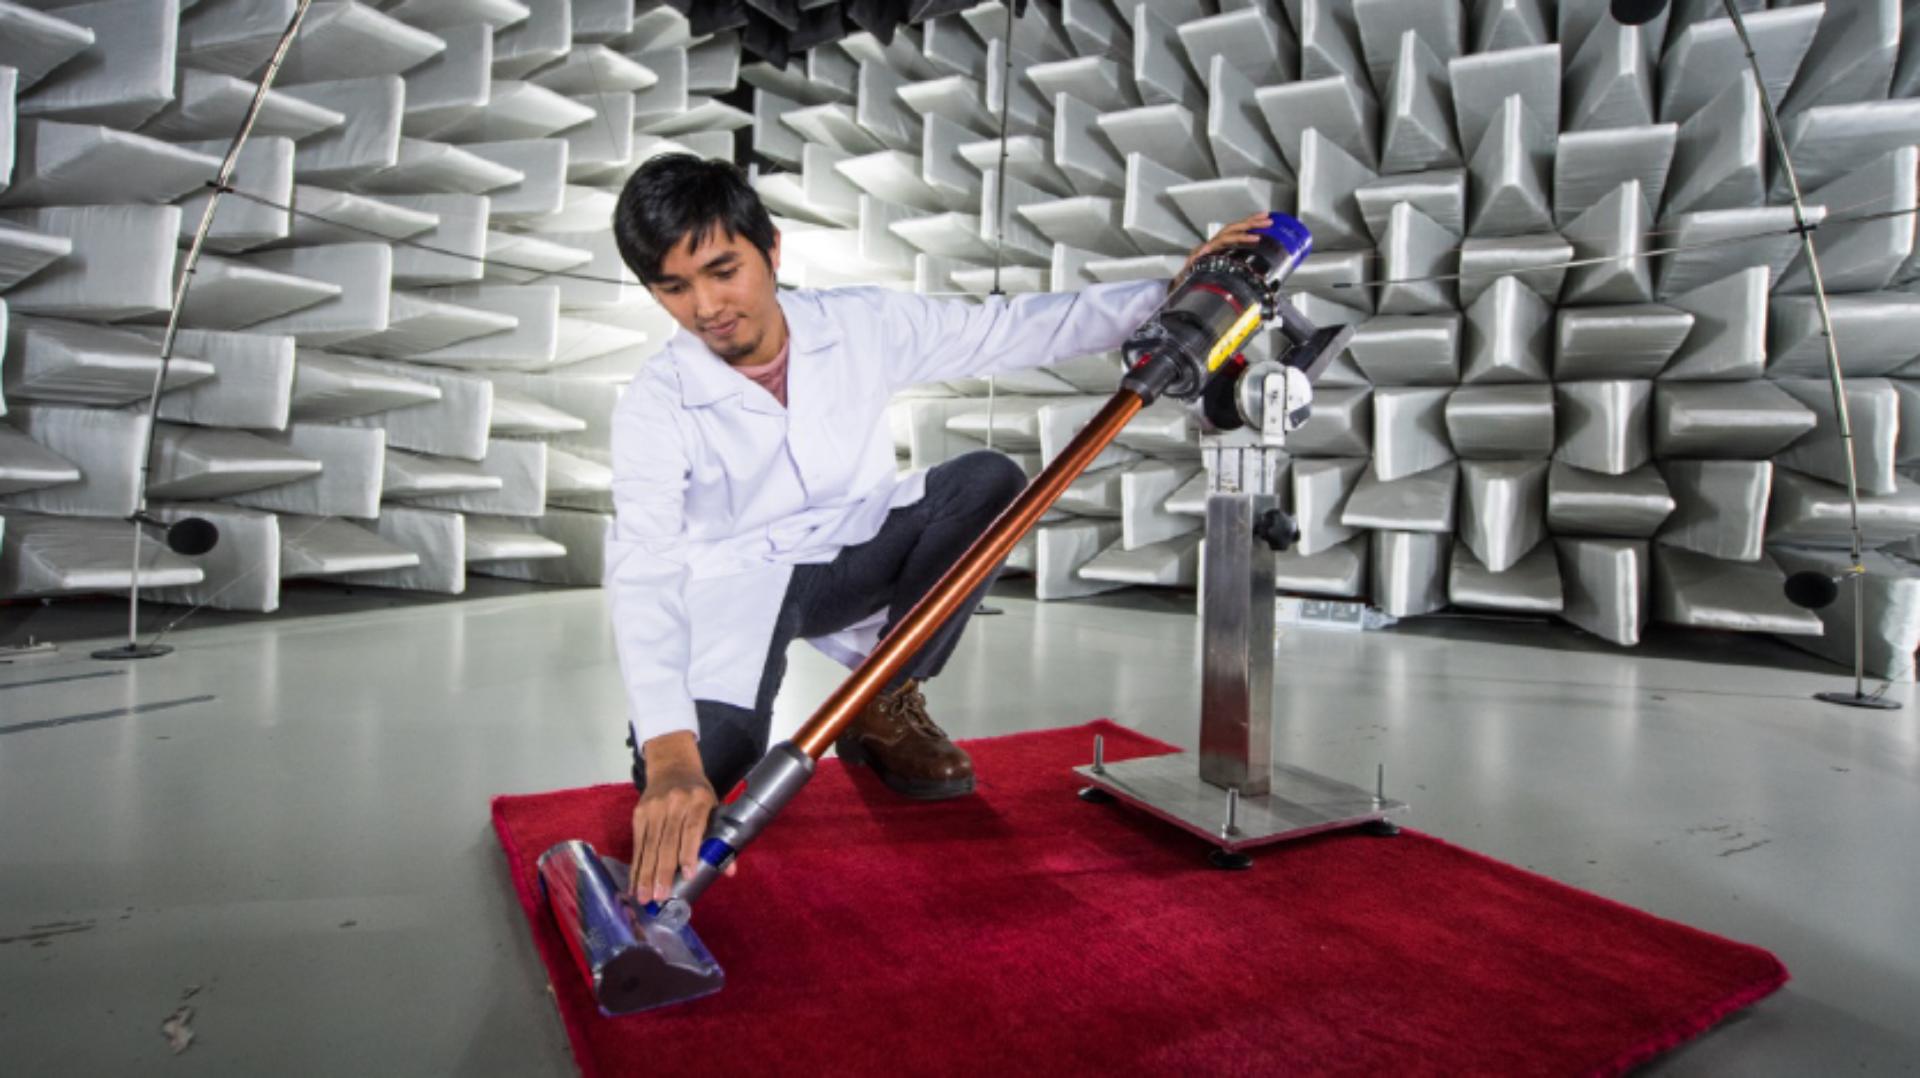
(1229, 860)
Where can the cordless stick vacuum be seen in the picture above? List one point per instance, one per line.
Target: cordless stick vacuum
(639, 957)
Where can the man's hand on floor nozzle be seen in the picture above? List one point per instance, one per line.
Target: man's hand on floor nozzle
(670, 819)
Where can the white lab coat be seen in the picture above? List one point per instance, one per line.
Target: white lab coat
(719, 491)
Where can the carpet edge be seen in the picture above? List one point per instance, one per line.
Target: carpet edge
(1686, 1030)
(1598, 897)
(578, 1044)
(1682, 1030)
(1091, 726)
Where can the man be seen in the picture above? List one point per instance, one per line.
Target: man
(756, 497)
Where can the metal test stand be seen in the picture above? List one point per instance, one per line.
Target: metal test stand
(1232, 793)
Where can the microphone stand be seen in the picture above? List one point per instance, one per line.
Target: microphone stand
(221, 183)
(1858, 697)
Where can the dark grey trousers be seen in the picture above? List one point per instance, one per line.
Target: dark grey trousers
(916, 545)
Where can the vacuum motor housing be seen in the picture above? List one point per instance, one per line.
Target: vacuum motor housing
(1222, 300)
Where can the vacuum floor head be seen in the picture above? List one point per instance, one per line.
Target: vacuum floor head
(631, 960)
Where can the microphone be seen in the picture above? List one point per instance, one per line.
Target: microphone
(1812, 590)
(188, 538)
(1637, 12)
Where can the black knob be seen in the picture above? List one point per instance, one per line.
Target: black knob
(1637, 12)
(193, 537)
(1275, 528)
(1812, 591)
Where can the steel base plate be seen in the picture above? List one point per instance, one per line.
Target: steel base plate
(28, 650)
(1301, 803)
(127, 652)
(1854, 699)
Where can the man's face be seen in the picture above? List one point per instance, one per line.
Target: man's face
(722, 293)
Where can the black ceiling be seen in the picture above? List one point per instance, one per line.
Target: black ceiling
(780, 30)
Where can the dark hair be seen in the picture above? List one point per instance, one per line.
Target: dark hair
(677, 194)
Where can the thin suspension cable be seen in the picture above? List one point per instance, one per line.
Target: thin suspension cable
(231, 584)
(1703, 245)
(1834, 216)
(537, 271)
(1831, 221)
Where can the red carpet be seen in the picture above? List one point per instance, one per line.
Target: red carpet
(1021, 931)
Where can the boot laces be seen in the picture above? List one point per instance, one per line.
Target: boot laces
(910, 707)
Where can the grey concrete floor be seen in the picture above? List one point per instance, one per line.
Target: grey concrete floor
(295, 833)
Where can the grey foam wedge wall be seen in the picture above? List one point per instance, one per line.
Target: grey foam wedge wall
(1643, 436)
(344, 402)
(1483, 145)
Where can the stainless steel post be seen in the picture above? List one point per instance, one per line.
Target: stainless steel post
(1236, 663)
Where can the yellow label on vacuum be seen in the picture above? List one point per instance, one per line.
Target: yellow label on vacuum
(1237, 336)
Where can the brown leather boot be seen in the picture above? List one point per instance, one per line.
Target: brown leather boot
(896, 738)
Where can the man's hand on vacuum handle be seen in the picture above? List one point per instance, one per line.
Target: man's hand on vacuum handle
(1238, 233)
(672, 816)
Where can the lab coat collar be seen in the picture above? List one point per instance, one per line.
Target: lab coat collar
(707, 379)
